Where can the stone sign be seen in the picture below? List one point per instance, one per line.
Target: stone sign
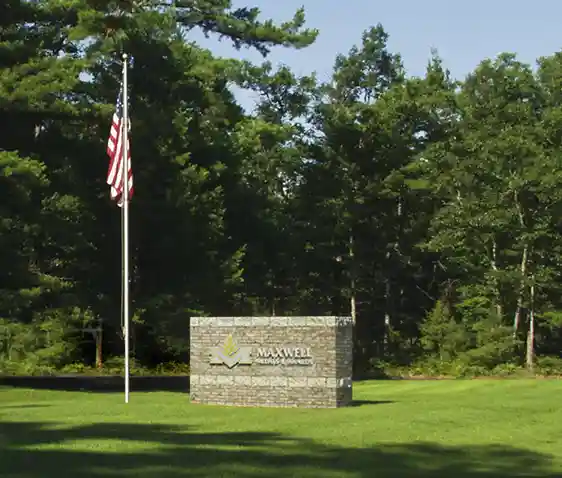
(271, 361)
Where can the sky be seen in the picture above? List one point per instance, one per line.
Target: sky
(464, 33)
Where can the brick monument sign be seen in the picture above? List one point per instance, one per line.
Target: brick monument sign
(271, 361)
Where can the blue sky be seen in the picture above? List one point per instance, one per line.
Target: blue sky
(464, 33)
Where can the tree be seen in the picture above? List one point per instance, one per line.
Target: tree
(185, 122)
(499, 187)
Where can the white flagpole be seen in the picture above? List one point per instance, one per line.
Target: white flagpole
(125, 197)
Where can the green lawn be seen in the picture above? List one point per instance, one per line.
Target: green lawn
(402, 429)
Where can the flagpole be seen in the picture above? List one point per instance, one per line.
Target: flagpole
(125, 225)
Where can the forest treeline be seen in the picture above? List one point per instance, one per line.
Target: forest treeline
(428, 208)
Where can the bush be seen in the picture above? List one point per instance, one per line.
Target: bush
(172, 368)
(549, 366)
(112, 366)
(432, 367)
(116, 366)
(50, 341)
(441, 334)
(25, 367)
(494, 344)
(506, 370)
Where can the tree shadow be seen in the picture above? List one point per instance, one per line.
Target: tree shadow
(362, 403)
(99, 383)
(151, 450)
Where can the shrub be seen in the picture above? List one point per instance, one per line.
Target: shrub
(549, 366)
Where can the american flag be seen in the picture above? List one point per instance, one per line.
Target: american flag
(115, 153)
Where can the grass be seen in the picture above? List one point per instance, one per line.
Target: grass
(402, 429)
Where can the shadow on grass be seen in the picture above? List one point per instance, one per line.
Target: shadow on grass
(148, 450)
(362, 403)
(99, 383)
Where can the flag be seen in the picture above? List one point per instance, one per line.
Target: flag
(115, 153)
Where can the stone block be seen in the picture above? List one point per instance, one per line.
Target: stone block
(243, 380)
(225, 321)
(271, 361)
(261, 321)
(279, 321)
(297, 321)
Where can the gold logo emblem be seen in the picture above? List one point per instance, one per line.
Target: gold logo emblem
(230, 354)
(230, 347)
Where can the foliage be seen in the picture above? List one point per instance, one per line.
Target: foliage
(442, 335)
(428, 208)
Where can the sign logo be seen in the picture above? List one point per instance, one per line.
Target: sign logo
(230, 354)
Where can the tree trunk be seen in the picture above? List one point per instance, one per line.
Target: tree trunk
(387, 291)
(9, 345)
(99, 339)
(523, 271)
(494, 263)
(353, 303)
(530, 356)
(352, 299)
(388, 288)
(519, 309)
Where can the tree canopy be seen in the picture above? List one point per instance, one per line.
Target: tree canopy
(427, 208)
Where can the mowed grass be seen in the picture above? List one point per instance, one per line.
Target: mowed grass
(402, 429)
